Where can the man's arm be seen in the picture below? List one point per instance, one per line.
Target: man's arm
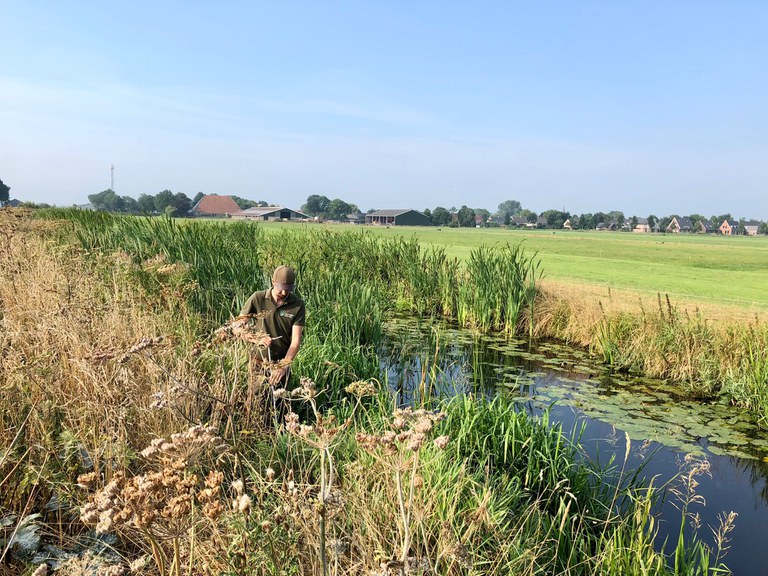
(296, 333)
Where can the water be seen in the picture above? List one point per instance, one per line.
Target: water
(662, 424)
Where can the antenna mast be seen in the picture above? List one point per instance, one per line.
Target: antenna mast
(112, 175)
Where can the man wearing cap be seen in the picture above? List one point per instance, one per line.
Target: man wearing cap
(283, 318)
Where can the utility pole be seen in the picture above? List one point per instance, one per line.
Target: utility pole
(112, 180)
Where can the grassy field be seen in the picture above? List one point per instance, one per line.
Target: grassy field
(729, 271)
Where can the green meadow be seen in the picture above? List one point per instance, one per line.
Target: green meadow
(713, 269)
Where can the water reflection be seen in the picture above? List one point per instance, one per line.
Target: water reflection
(661, 423)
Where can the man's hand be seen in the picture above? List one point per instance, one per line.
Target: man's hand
(276, 376)
(266, 341)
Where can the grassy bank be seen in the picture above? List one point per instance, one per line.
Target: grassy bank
(134, 442)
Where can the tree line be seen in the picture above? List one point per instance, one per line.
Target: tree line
(165, 202)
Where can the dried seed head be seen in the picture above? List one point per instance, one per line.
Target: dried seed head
(441, 442)
(244, 503)
(85, 481)
(238, 487)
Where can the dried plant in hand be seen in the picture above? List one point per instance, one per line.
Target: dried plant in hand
(244, 328)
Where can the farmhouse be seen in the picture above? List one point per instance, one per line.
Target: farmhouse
(680, 224)
(214, 206)
(269, 213)
(404, 217)
(751, 227)
(729, 227)
(642, 226)
(704, 226)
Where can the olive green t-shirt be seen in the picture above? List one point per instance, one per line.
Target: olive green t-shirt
(278, 321)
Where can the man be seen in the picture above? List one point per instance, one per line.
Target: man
(282, 315)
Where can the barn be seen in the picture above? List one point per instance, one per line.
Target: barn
(405, 217)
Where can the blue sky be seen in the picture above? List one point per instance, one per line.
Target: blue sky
(641, 106)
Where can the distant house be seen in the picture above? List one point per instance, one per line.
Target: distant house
(751, 227)
(704, 226)
(269, 213)
(519, 221)
(567, 224)
(601, 226)
(404, 217)
(214, 206)
(356, 218)
(729, 227)
(680, 225)
(642, 226)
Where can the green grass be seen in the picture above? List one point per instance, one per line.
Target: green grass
(717, 269)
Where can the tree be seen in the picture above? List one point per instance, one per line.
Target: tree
(107, 201)
(528, 215)
(633, 222)
(5, 192)
(466, 217)
(507, 209)
(130, 205)
(652, 220)
(555, 218)
(616, 217)
(316, 205)
(428, 214)
(163, 200)
(242, 203)
(441, 217)
(197, 198)
(338, 210)
(483, 213)
(146, 203)
(181, 204)
(763, 228)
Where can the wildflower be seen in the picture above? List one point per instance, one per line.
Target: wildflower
(238, 487)
(292, 422)
(266, 526)
(270, 474)
(361, 388)
(416, 441)
(280, 393)
(441, 442)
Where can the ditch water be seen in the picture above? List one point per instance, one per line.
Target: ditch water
(662, 424)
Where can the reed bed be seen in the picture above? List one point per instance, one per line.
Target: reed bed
(136, 440)
(710, 356)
